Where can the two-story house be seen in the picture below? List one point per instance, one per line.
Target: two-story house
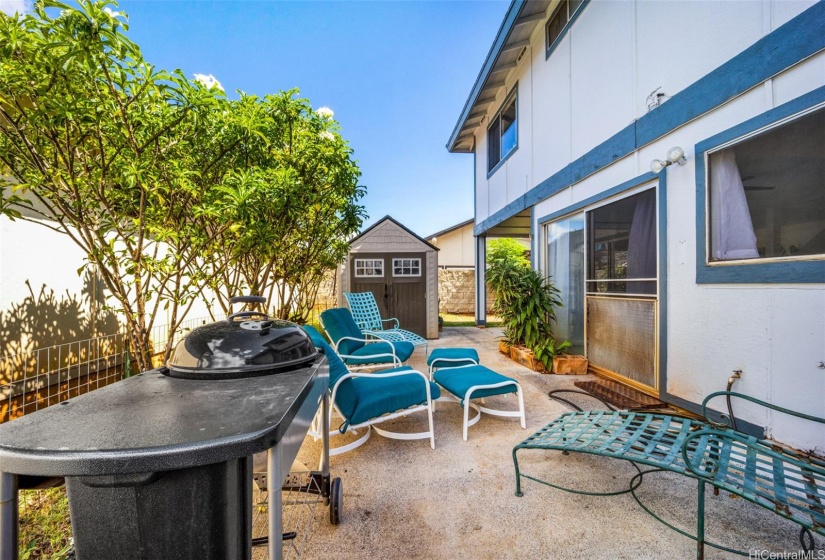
(668, 161)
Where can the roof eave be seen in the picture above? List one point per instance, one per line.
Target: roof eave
(503, 33)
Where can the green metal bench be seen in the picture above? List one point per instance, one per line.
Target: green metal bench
(788, 482)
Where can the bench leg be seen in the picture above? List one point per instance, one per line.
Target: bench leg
(518, 474)
(700, 522)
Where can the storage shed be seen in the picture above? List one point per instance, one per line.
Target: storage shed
(400, 269)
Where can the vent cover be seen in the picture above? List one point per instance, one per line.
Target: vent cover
(621, 337)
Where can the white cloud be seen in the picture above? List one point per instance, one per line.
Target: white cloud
(208, 81)
(10, 7)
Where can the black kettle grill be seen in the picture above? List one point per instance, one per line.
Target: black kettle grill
(160, 465)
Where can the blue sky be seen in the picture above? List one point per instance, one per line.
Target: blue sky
(396, 74)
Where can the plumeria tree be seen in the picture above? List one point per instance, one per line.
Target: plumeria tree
(286, 202)
(167, 186)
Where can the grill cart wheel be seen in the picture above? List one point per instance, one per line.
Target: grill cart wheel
(336, 501)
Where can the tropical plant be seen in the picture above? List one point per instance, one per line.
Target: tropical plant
(286, 203)
(167, 186)
(526, 302)
(507, 249)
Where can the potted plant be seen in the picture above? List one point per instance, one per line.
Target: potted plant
(440, 323)
(526, 302)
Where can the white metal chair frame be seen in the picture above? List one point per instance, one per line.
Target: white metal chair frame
(396, 361)
(370, 424)
(447, 396)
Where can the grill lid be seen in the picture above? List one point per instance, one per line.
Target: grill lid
(247, 344)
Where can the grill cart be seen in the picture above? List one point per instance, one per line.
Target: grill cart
(160, 465)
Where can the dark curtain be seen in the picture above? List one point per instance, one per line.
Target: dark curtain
(641, 250)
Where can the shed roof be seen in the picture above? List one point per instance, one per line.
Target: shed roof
(451, 228)
(399, 224)
(512, 39)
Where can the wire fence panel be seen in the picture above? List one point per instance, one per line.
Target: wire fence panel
(30, 381)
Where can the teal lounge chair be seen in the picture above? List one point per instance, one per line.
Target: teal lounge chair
(356, 350)
(366, 314)
(365, 399)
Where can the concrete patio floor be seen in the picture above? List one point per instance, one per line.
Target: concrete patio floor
(403, 499)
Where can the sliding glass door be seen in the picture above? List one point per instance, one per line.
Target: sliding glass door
(605, 263)
(565, 268)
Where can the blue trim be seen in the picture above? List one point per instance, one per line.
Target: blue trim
(618, 189)
(495, 49)
(514, 94)
(796, 40)
(481, 280)
(755, 271)
(548, 50)
(533, 255)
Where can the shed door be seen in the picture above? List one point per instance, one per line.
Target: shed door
(399, 283)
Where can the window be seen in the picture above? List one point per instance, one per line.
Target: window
(559, 20)
(502, 134)
(369, 267)
(767, 194)
(406, 267)
(622, 246)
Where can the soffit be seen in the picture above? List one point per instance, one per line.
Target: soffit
(513, 37)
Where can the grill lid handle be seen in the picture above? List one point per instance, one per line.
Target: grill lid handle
(247, 299)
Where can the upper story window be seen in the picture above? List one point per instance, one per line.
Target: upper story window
(559, 20)
(767, 194)
(502, 134)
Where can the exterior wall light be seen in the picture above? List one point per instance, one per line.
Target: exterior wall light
(674, 155)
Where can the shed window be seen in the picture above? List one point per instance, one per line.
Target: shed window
(502, 135)
(369, 268)
(406, 267)
(767, 194)
(559, 20)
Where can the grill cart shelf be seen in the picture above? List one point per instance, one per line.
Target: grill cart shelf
(162, 467)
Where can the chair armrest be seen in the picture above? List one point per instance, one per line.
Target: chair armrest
(396, 362)
(354, 374)
(397, 324)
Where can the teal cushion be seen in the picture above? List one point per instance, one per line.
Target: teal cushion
(377, 396)
(346, 398)
(459, 380)
(339, 323)
(453, 354)
(402, 349)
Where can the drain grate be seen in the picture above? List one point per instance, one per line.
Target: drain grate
(620, 396)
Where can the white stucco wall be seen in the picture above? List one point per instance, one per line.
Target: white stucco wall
(595, 84)
(456, 248)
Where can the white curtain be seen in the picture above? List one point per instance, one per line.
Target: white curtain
(731, 228)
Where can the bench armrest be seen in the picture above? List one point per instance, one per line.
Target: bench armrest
(733, 394)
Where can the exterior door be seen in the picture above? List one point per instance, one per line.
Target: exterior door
(622, 290)
(398, 283)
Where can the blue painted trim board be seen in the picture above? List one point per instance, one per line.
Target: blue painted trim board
(754, 271)
(796, 40)
(548, 50)
(533, 236)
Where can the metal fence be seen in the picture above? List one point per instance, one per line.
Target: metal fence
(36, 379)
